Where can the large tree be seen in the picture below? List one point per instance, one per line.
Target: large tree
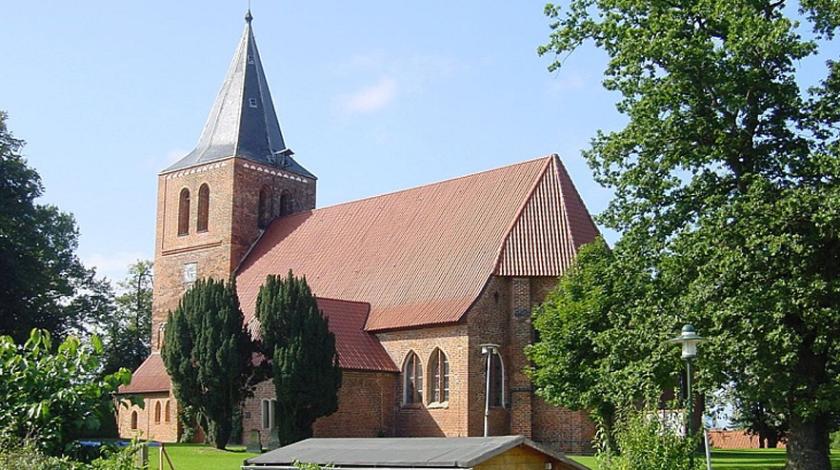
(726, 189)
(304, 361)
(127, 330)
(208, 352)
(39, 271)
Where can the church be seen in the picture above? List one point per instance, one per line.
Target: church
(428, 290)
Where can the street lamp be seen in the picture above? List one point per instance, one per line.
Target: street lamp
(688, 340)
(489, 350)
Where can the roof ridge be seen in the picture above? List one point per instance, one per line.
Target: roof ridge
(425, 185)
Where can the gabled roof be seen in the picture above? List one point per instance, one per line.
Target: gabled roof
(422, 256)
(242, 121)
(401, 452)
(150, 377)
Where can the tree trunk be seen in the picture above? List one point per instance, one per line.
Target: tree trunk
(808, 444)
(221, 433)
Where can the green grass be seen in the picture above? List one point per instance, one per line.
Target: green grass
(199, 457)
(746, 459)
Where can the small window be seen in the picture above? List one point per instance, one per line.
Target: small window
(184, 212)
(133, 420)
(438, 377)
(203, 208)
(497, 378)
(252, 102)
(267, 413)
(190, 273)
(167, 412)
(286, 203)
(264, 208)
(412, 380)
(157, 412)
(160, 335)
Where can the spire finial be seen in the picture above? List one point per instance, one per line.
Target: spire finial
(248, 16)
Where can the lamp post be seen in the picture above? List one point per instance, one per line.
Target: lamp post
(488, 350)
(688, 340)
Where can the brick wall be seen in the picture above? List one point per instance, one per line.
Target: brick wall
(428, 419)
(162, 429)
(365, 407)
(235, 186)
(487, 323)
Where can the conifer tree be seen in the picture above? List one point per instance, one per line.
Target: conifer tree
(304, 366)
(207, 352)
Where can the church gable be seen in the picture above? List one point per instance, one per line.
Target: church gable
(548, 231)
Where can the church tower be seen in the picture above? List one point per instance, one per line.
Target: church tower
(214, 203)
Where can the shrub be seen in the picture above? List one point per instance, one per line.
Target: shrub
(646, 443)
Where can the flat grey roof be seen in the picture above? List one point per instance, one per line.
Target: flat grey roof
(403, 452)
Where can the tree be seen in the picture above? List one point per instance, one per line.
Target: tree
(50, 396)
(127, 329)
(583, 359)
(760, 422)
(305, 371)
(39, 270)
(207, 352)
(726, 191)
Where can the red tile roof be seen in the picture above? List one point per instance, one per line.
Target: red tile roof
(421, 256)
(150, 377)
(357, 349)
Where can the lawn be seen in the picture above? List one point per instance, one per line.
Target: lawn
(199, 457)
(747, 459)
(202, 457)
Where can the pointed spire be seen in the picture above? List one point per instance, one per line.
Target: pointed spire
(242, 121)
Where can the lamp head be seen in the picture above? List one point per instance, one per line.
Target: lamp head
(688, 339)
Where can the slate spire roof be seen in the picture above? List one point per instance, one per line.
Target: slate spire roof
(242, 121)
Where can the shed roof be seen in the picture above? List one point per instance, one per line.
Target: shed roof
(422, 256)
(400, 452)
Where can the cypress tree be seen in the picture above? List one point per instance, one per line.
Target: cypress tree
(207, 352)
(304, 366)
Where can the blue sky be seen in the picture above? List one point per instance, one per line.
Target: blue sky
(373, 96)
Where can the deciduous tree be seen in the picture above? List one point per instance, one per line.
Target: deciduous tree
(726, 190)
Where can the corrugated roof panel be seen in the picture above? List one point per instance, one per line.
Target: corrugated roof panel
(552, 225)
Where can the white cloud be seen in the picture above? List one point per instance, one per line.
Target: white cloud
(114, 266)
(370, 98)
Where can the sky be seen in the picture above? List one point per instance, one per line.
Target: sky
(373, 97)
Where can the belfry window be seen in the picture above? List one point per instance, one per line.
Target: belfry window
(438, 377)
(203, 208)
(184, 212)
(286, 203)
(264, 209)
(252, 102)
(412, 379)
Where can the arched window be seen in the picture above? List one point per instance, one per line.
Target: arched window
(438, 377)
(286, 203)
(166, 412)
(160, 334)
(267, 410)
(203, 208)
(497, 380)
(134, 420)
(264, 209)
(184, 212)
(157, 412)
(412, 379)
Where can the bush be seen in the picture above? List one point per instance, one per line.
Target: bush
(835, 440)
(646, 443)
